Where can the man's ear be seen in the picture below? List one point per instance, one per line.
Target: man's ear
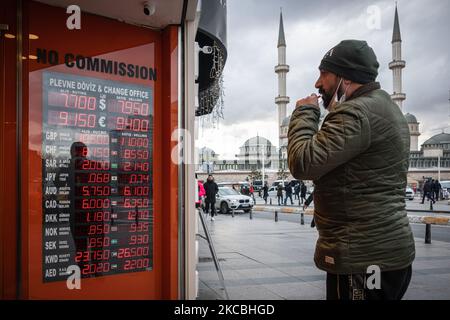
(347, 82)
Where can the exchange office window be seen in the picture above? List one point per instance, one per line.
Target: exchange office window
(96, 164)
(91, 96)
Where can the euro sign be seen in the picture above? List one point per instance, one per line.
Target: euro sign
(101, 121)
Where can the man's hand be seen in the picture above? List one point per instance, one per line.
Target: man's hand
(311, 100)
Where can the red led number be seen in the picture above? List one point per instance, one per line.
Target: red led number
(136, 203)
(136, 166)
(132, 252)
(99, 229)
(94, 165)
(134, 142)
(82, 256)
(136, 191)
(98, 216)
(136, 264)
(95, 203)
(141, 215)
(139, 239)
(139, 227)
(135, 108)
(99, 242)
(125, 123)
(135, 154)
(92, 138)
(101, 267)
(71, 101)
(95, 191)
(99, 177)
(75, 119)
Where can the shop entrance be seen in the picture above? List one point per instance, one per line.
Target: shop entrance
(94, 103)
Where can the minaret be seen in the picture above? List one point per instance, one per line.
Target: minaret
(281, 69)
(397, 64)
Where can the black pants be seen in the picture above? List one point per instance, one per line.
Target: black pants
(288, 196)
(429, 196)
(302, 199)
(213, 207)
(393, 286)
(280, 200)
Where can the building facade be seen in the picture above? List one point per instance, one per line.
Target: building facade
(254, 154)
(433, 159)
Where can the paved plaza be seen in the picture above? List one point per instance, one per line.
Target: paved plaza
(264, 259)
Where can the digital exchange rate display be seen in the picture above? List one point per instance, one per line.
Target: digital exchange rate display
(96, 176)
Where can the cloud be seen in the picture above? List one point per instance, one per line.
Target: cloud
(226, 139)
(311, 28)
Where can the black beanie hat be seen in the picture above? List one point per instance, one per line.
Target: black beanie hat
(353, 60)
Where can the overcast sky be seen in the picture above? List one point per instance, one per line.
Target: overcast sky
(311, 29)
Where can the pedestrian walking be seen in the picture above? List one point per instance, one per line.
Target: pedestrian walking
(265, 192)
(201, 194)
(303, 190)
(427, 191)
(297, 191)
(437, 190)
(288, 193)
(280, 193)
(252, 192)
(306, 205)
(211, 189)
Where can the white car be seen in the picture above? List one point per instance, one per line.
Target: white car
(409, 193)
(229, 199)
(273, 191)
(445, 185)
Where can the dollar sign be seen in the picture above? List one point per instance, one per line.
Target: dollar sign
(102, 104)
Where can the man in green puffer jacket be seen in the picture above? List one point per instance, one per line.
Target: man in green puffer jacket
(358, 161)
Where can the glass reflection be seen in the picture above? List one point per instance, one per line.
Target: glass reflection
(97, 155)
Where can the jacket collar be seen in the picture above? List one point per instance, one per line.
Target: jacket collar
(364, 89)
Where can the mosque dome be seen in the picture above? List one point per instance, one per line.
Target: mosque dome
(410, 118)
(258, 140)
(441, 138)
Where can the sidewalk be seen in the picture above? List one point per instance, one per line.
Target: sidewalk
(411, 205)
(263, 259)
(417, 212)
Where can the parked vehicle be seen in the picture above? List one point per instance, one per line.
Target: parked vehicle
(234, 185)
(273, 192)
(277, 182)
(445, 188)
(257, 185)
(409, 193)
(228, 199)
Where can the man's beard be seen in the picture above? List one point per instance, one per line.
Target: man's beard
(326, 97)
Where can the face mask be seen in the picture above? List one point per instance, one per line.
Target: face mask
(329, 100)
(342, 99)
(335, 96)
(344, 96)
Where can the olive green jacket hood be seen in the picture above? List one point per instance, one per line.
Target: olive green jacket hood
(358, 161)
